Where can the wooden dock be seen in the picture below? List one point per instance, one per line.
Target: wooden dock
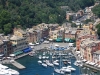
(18, 65)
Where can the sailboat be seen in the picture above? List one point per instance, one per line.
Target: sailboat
(49, 61)
(59, 70)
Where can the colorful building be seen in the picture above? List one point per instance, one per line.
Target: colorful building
(20, 45)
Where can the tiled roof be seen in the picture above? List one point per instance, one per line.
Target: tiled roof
(14, 37)
(97, 52)
(23, 32)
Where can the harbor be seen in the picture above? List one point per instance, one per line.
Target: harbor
(20, 61)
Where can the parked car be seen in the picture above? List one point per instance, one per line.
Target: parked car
(46, 42)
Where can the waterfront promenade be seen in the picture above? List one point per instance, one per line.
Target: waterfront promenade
(84, 64)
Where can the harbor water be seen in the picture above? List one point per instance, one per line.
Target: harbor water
(34, 68)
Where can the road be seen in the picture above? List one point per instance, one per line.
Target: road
(42, 46)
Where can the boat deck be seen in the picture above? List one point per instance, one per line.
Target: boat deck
(18, 65)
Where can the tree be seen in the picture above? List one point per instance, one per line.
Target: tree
(7, 28)
(98, 29)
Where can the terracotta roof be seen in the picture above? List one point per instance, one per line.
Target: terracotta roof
(97, 52)
(14, 37)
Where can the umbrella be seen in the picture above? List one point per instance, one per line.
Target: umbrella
(12, 55)
(56, 45)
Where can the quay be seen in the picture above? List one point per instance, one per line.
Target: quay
(92, 67)
(84, 64)
(18, 65)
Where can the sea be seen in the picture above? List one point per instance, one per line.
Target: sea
(34, 68)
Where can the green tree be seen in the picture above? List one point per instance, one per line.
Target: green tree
(7, 28)
(98, 29)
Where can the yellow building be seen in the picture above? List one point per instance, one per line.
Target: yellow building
(19, 45)
(53, 34)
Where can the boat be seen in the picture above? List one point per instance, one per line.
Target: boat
(59, 71)
(44, 57)
(13, 72)
(4, 70)
(32, 53)
(60, 64)
(78, 63)
(44, 65)
(40, 62)
(49, 64)
(2, 73)
(56, 63)
(40, 57)
(65, 69)
(71, 68)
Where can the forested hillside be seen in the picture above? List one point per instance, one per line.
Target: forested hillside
(32, 12)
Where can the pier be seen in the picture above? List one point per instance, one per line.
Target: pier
(92, 67)
(18, 65)
(84, 64)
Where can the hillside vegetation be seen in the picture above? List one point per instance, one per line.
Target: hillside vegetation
(32, 12)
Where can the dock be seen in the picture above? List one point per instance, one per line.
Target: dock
(92, 67)
(18, 65)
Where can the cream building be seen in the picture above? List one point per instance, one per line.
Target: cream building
(19, 44)
(53, 34)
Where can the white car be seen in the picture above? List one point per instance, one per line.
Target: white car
(46, 42)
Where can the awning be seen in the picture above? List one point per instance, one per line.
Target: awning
(27, 50)
(59, 40)
(67, 39)
(18, 52)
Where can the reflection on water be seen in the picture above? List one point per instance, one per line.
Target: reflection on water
(33, 68)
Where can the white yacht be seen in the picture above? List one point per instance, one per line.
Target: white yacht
(65, 69)
(71, 68)
(43, 64)
(40, 57)
(13, 72)
(40, 62)
(49, 64)
(78, 63)
(55, 63)
(7, 71)
(2, 73)
(59, 71)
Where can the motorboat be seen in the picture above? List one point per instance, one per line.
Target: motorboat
(65, 69)
(56, 63)
(4, 70)
(39, 61)
(71, 68)
(13, 72)
(44, 57)
(78, 63)
(43, 64)
(59, 71)
(31, 53)
(40, 57)
(49, 64)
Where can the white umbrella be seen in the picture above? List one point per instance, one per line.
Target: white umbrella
(8, 57)
(12, 55)
(56, 45)
(50, 39)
